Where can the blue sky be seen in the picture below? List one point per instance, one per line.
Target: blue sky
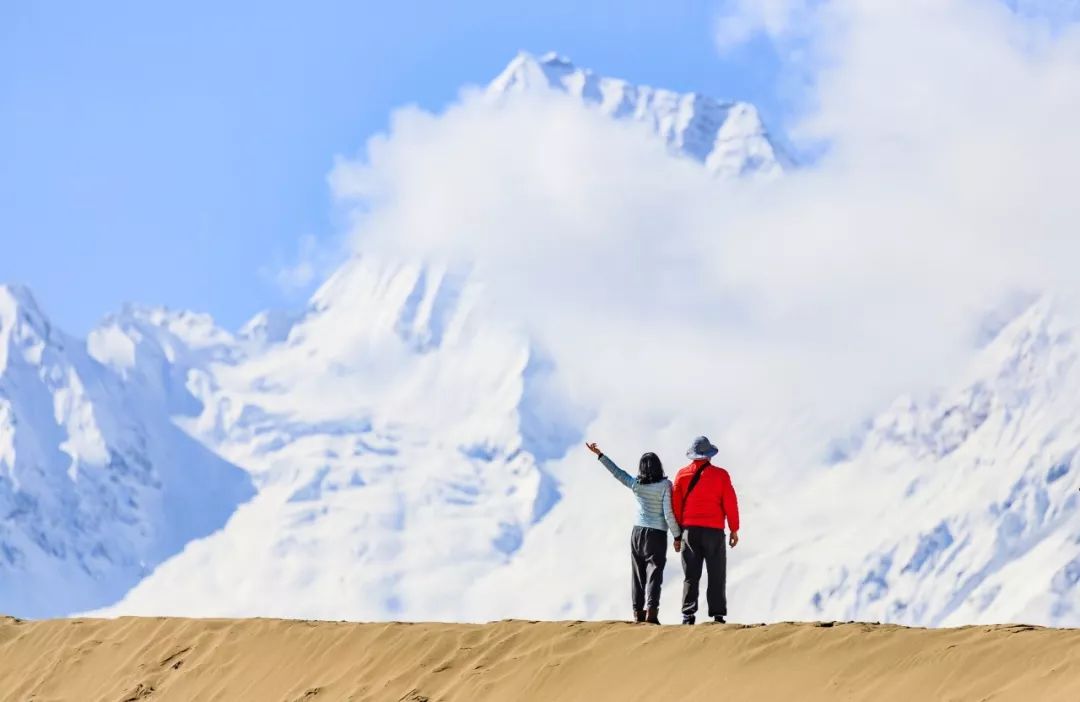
(173, 153)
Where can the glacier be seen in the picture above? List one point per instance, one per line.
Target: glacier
(391, 452)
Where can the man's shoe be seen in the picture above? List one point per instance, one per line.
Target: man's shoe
(639, 616)
(719, 620)
(652, 616)
(688, 620)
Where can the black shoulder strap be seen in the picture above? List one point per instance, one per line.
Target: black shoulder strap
(693, 484)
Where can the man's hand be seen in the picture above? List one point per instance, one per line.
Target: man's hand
(594, 448)
(733, 540)
(678, 545)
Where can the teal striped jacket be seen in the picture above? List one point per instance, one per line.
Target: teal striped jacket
(654, 500)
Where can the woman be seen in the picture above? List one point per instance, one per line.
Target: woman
(648, 541)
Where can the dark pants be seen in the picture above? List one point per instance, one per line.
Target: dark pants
(648, 556)
(702, 545)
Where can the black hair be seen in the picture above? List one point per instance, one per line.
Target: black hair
(650, 469)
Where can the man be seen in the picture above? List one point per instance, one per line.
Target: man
(703, 499)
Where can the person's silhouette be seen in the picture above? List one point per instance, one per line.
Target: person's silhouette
(704, 499)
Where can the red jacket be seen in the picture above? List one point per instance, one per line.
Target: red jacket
(712, 501)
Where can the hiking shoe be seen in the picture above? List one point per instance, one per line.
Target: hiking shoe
(719, 620)
(689, 621)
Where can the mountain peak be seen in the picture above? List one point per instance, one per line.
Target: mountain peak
(553, 58)
(526, 73)
(15, 298)
(19, 310)
(727, 137)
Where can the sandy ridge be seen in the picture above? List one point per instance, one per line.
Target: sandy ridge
(132, 659)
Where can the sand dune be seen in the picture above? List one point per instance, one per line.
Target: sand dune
(126, 660)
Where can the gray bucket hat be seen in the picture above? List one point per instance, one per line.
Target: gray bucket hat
(701, 448)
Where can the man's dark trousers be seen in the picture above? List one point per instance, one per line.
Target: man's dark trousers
(702, 545)
(648, 556)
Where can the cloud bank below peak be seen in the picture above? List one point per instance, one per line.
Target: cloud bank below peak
(663, 291)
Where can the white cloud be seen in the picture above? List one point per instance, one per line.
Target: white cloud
(740, 20)
(670, 298)
(312, 262)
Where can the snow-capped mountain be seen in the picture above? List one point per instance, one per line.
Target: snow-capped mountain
(954, 510)
(396, 443)
(728, 137)
(97, 484)
(393, 452)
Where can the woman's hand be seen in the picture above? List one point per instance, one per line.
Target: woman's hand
(594, 448)
(733, 540)
(678, 545)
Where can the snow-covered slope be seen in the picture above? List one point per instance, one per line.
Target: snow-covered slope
(396, 448)
(97, 485)
(966, 507)
(728, 137)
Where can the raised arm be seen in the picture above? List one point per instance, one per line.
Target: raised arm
(619, 474)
